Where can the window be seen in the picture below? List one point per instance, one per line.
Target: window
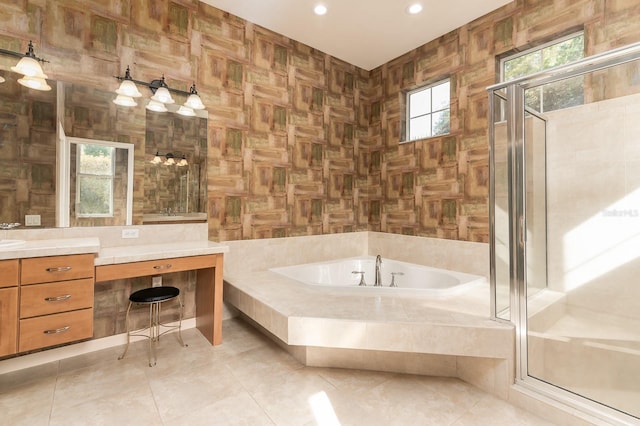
(428, 111)
(549, 97)
(94, 183)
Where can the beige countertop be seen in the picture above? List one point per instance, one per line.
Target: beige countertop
(49, 247)
(138, 253)
(108, 255)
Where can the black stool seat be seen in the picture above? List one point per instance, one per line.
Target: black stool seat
(154, 294)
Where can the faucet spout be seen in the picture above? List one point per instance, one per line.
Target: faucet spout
(378, 278)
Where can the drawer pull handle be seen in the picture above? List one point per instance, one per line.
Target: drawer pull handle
(159, 267)
(58, 298)
(59, 269)
(58, 330)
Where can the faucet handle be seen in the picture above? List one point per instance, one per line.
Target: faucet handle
(362, 283)
(393, 278)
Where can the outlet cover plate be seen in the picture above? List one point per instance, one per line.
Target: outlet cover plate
(130, 233)
(32, 220)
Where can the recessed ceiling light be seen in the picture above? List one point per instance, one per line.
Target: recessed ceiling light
(320, 9)
(414, 9)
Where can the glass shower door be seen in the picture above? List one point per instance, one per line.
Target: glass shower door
(582, 249)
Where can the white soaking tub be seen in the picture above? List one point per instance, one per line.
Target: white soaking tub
(409, 277)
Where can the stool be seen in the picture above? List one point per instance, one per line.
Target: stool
(154, 297)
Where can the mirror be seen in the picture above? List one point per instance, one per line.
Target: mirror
(175, 178)
(39, 131)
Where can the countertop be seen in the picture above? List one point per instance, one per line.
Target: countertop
(110, 255)
(138, 253)
(50, 247)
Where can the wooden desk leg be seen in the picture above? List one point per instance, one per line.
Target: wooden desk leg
(209, 302)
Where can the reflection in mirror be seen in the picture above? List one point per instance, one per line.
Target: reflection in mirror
(175, 191)
(99, 188)
(30, 120)
(28, 144)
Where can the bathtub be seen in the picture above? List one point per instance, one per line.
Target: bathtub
(412, 279)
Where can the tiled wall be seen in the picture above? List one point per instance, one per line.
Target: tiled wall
(301, 143)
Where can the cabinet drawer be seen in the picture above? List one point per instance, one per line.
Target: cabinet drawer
(8, 273)
(43, 299)
(56, 268)
(154, 267)
(49, 330)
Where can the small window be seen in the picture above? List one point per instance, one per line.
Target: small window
(94, 183)
(549, 97)
(428, 111)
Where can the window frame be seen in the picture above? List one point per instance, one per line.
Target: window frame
(540, 48)
(408, 117)
(109, 177)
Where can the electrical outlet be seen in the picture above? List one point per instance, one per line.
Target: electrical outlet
(32, 220)
(156, 281)
(130, 233)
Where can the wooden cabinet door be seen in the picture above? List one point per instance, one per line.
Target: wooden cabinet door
(8, 320)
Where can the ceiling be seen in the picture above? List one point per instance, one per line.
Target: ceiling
(365, 33)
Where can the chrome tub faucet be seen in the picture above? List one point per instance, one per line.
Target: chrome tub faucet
(378, 278)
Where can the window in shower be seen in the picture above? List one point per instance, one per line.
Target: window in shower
(428, 111)
(550, 97)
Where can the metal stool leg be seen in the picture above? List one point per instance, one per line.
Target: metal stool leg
(181, 308)
(126, 321)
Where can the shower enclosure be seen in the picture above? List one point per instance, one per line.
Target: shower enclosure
(565, 231)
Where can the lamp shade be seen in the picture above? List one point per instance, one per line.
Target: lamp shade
(35, 83)
(126, 101)
(170, 161)
(186, 111)
(29, 67)
(163, 95)
(128, 88)
(156, 159)
(194, 102)
(156, 106)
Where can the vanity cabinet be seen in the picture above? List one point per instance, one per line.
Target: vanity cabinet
(56, 300)
(8, 306)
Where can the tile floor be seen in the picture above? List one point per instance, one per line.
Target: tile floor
(248, 380)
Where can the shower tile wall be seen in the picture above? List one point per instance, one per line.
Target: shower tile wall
(301, 143)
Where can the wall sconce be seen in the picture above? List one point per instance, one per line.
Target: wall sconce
(28, 66)
(170, 160)
(161, 95)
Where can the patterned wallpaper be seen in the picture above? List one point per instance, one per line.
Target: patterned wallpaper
(299, 142)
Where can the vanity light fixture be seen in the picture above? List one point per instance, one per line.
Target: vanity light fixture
(161, 95)
(29, 67)
(169, 160)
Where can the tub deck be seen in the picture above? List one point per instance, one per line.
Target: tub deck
(309, 316)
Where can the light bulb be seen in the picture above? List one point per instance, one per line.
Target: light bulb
(320, 9)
